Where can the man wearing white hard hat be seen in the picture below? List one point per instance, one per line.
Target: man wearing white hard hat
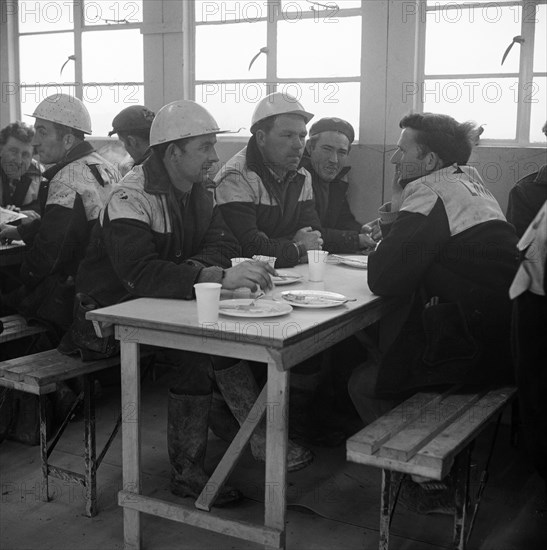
(159, 234)
(76, 185)
(266, 200)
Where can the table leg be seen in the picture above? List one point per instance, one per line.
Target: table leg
(131, 447)
(277, 413)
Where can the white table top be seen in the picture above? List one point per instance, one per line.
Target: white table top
(181, 315)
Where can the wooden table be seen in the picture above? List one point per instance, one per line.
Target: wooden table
(281, 342)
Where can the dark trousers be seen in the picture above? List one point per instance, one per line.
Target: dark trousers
(529, 341)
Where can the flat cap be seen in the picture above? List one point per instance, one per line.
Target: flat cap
(136, 117)
(333, 124)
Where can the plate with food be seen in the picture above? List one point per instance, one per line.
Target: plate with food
(358, 261)
(244, 307)
(313, 298)
(286, 278)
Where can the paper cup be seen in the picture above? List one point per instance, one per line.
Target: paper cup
(317, 260)
(208, 297)
(236, 261)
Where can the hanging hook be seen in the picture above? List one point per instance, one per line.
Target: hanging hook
(70, 58)
(516, 40)
(264, 50)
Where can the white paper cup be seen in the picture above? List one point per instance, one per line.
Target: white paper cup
(208, 297)
(268, 259)
(317, 260)
(236, 261)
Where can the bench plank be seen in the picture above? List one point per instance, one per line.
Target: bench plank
(370, 439)
(47, 367)
(16, 326)
(440, 452)
(430, 422)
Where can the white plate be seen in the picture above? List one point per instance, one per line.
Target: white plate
(291, 278)
(361, 262)
(261, 308)
(313, 298)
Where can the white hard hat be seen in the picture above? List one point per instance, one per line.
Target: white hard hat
(66, 110)
(278, 103)
(182, 119)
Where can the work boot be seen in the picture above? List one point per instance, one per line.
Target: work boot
(221, 420)
(240, 391)
(187, 418)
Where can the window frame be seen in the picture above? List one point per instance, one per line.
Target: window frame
(525, 74)
(78, 30)
(274, 15)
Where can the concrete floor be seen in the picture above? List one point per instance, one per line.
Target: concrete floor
(331, 504)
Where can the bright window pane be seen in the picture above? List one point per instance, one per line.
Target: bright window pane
(327, 99)
(32, 95)
(538, 97)
(225, 51)
(232, 105)
(293, 8)
(105, 102)
(323, 48)
(112, 56)
(42, 16)
(112, 13)
(230, 11)
(41, 58)
(540, 42)
(472, 41)
(459, 3)
(488, 102)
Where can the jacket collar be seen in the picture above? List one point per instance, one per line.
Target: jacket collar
(81, 150)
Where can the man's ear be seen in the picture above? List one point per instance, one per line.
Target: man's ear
(171, 152)
(68, 141)
(307, 147)
(260, 137)
(433, 161)
(131, 141)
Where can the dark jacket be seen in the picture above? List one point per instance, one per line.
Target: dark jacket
(73, 196)
(263, 212)
(339, 228)
(24, 195)
(152, 241)
(450, 240)
(526, 198)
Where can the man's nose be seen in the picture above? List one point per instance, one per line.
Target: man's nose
(395, 157)
(213, 157)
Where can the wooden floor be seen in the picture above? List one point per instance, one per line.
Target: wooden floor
(332, 504)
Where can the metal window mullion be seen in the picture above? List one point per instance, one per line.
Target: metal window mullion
(189, 50)
(78, 49)
(274, 9)
(526, 77)
(419, 70)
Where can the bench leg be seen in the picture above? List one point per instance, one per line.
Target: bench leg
(43, 447)
(391, 484)
(462, 473)
(90, 448)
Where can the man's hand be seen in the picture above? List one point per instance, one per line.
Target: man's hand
(8, 233)
(310, 239)
(370, 234)
(12, 208)
(253, 275)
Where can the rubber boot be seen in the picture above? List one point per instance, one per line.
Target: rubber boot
(187, 417)
(239, 388)
(221, 420)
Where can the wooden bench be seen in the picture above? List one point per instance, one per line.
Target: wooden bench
(16, 326)
(425, 436)
(40, 374)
